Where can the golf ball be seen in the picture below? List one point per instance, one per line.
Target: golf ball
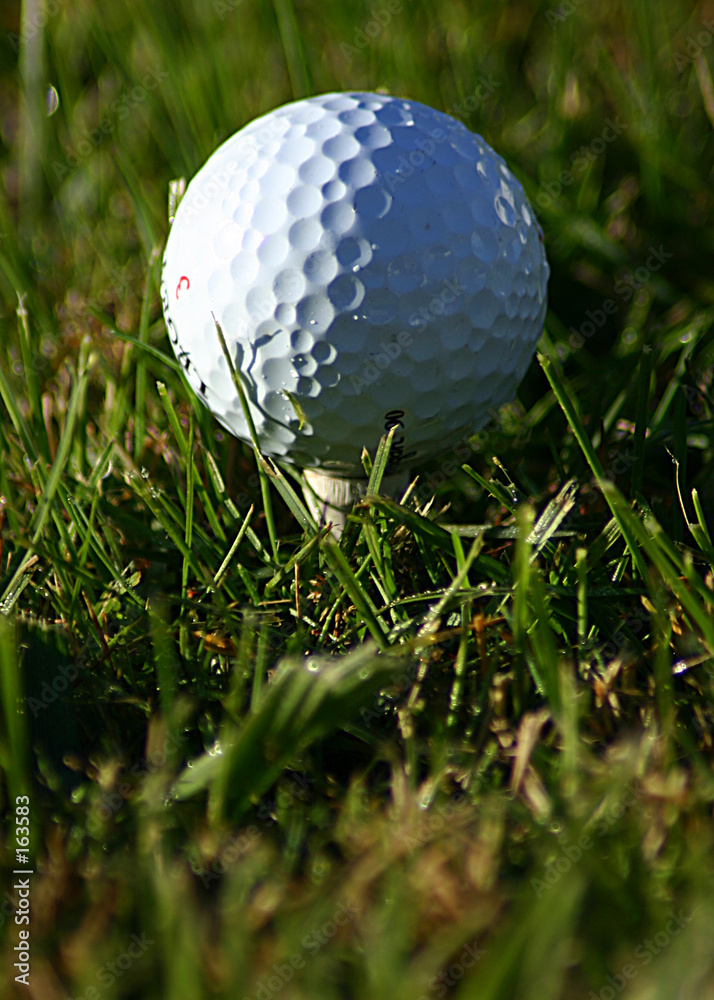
(372, 263)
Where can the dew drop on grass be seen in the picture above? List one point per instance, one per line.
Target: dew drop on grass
(320, 868)
(52, 100)
(629, 335)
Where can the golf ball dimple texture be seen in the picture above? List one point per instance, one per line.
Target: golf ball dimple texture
(371, 263)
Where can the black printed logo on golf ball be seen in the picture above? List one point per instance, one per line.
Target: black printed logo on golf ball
(393, 418)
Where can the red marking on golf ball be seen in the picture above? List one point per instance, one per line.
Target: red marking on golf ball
(181, 281)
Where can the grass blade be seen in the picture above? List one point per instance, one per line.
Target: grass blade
(593, 461)
(141, 374)
(14, 745)
(44, 505)
(643, 399)
(381, 461)
(342, 570)
(264, 468)
(306, 700)
(293, 48)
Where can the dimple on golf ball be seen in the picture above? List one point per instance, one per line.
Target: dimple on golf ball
(372, 263)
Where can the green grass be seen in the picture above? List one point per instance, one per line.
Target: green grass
(467, 751)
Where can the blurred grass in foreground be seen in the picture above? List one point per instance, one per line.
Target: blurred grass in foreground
(466, 753)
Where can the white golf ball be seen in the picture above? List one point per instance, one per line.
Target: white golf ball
(371, 263)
